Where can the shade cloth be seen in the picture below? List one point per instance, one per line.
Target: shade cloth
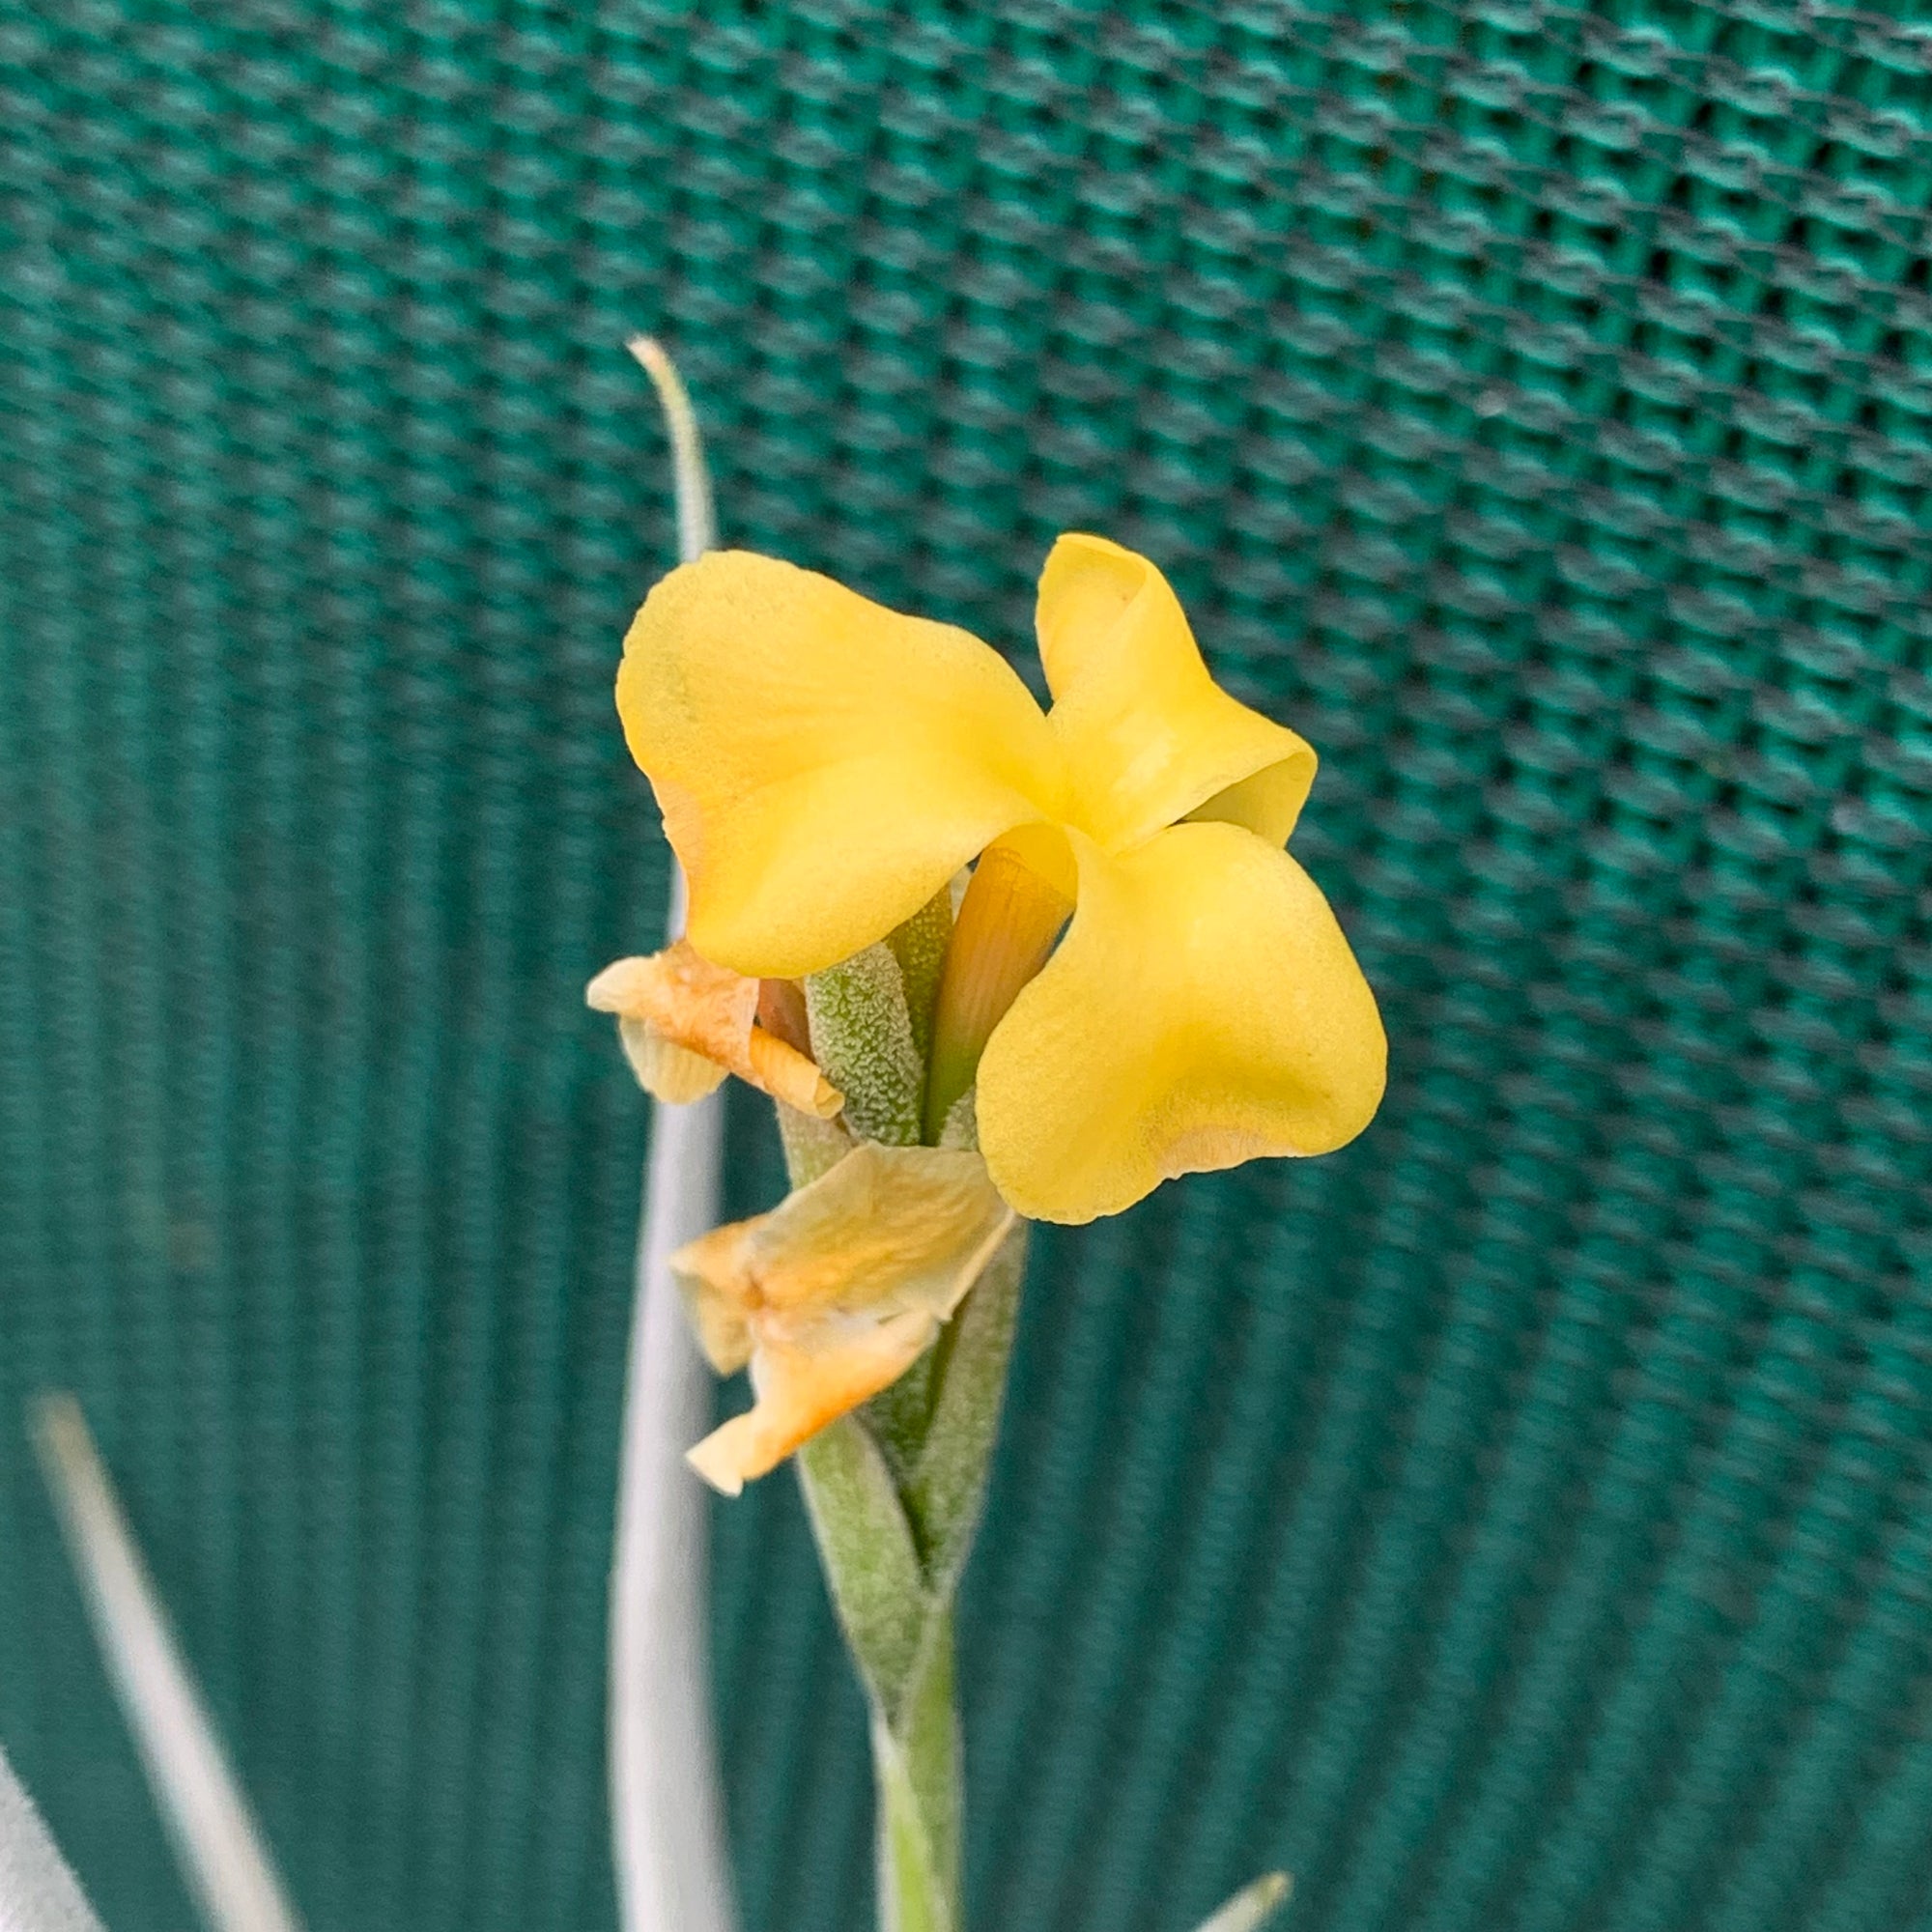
(1523, 1519)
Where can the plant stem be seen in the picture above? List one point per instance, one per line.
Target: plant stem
(917, 1761)
(893, 1490)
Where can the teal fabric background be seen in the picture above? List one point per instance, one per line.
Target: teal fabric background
(1523, 1520)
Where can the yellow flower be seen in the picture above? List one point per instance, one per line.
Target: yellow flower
(835, 1294)
(825, 765)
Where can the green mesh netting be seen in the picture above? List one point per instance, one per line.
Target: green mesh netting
(1523, 1520)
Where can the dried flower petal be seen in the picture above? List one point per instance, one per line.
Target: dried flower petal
(835, 1294)
(676, 1005)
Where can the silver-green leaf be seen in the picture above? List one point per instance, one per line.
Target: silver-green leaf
(1250, 1907)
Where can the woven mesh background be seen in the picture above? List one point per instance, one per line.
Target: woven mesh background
(1521, 1520)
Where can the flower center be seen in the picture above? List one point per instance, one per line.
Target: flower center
(1007, 925)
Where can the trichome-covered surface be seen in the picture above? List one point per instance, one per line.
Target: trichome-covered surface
(1523, 1519)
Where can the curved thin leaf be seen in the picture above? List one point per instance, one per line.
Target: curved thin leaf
(1250, 1907)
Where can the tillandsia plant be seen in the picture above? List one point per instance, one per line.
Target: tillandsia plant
(993, 965)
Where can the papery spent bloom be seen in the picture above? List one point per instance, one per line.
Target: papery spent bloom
(686, 1023)
(835, 1294)
(825, 765)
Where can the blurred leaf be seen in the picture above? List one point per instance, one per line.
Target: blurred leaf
(1252, 1906)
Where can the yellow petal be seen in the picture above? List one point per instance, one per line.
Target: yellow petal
(824, 764)
(1149, 736)
(676, 1011)
(1203, 1009)
(835, 1294)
